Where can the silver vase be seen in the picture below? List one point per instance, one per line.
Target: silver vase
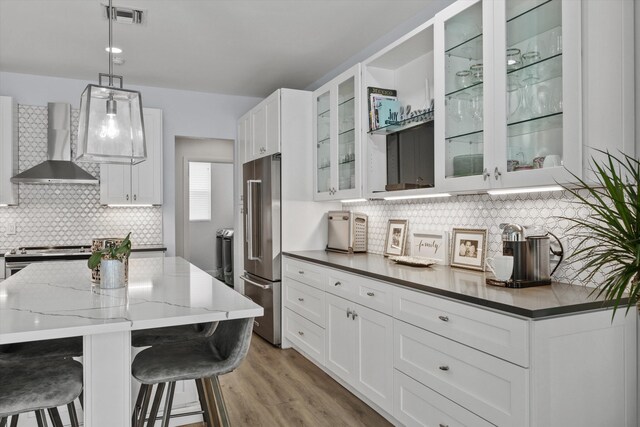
(111, 274)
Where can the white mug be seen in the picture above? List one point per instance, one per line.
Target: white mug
(551, 161)
(502, 266)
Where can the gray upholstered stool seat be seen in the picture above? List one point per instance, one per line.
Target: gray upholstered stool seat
(201, 360)
(171, 334)
(58, 348)
(39, 384)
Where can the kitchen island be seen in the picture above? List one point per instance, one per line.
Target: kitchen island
(58, 300)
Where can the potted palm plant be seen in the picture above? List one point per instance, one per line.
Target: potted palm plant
(112, 260)
(608, 239)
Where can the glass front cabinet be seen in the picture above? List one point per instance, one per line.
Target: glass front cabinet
(508, 103)
(336, 107)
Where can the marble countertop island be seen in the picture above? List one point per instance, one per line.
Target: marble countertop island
(57, 299)
(464, 285)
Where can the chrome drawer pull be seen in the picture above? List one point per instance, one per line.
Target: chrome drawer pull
(337, 284)
(300, 299)
(370, 294)
(443, 425)
(444, 318)
(300, 333)
(300, 272)
(443, 368)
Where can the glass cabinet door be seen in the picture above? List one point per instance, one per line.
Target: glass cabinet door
(323, 143)
(346, 135)
(534, 85)
(464, 94)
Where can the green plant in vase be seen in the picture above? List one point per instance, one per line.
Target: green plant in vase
(609, 237)
(113, 252)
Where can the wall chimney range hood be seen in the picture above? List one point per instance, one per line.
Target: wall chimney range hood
(58, 169)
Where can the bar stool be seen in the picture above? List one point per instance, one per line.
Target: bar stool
(201, 360)
(37, 385)
(57, 348)
(170, 334)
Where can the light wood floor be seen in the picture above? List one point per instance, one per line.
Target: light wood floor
(275, 387)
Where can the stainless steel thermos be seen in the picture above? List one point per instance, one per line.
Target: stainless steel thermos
(531, 255)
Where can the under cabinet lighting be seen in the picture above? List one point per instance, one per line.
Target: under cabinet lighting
(113, 49)
(421, 196)
(3, 206)
(525, 190)
(129, 206)
(353, 200)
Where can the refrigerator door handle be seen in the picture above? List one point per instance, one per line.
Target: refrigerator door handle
(253, 232)
(251, 282)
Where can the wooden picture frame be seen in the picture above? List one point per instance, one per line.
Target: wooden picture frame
(396, 238)
(432, 245)
(469, 248)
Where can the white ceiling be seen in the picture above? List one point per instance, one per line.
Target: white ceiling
(238, 47)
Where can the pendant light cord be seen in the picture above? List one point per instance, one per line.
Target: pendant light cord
(110, 45)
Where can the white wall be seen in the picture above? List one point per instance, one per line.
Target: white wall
(195, 114)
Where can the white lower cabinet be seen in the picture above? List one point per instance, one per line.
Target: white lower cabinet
(359, 345)
(434, 361)
(416, 405)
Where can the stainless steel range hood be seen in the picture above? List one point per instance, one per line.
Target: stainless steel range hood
(58, 169)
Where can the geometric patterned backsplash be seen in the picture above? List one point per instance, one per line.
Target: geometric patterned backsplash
(481, 211)
(67, 214)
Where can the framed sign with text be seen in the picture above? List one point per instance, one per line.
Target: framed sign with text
(431, 244)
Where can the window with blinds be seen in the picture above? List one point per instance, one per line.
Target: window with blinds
(199, 191)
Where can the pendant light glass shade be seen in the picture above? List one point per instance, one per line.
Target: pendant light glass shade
(111, 126)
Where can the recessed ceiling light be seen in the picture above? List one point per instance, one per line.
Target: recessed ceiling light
(114, 49)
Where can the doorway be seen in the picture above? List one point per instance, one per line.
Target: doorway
(204, 197)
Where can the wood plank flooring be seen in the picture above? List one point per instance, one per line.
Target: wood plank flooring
(275, 387)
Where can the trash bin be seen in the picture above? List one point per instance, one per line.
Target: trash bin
(227, 256)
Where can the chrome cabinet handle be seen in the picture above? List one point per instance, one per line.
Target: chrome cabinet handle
(300, 272)
(337, 284)
(443, 425)
(444, 318)
(300, 299)
(370, 294)
(127, 197)
(348, 312)
(135, 197)
(300, 333)
(497, 173)
(485, 174)
(443, 367)
(354, 315)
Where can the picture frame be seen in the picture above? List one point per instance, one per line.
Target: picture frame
(396, 238)
(431, 244)
(469, 248)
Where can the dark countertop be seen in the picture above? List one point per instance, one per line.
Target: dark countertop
(148, 248)
(464, 285)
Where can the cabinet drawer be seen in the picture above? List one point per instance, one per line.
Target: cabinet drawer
(367, 292)
(304, 300)
(492, 388)
(503, 336)
(304, 272)
(305, 335)
(417, 405)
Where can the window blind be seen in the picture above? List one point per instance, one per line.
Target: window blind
(199, 191)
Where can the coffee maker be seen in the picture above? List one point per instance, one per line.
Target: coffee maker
(531, 255)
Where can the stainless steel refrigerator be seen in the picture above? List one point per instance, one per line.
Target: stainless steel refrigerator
(262, 249)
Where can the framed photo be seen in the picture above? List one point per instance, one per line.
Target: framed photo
(431, 244)
(468, 248)
(396, 237)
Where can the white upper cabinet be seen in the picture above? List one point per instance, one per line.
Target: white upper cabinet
(336, 138)
(508, 94)
(265, 128)
(8, 150)
(139, 184)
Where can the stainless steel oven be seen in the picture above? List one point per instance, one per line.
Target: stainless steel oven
(17, 259)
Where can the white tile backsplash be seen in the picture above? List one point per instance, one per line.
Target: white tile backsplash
(482, 211)
(67, 214)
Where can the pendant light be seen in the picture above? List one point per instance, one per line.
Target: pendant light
(111, 126)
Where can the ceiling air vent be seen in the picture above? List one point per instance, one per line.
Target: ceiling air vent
(124, 15)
